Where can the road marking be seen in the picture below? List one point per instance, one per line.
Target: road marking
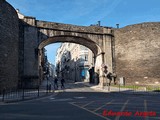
(88, 104)
(58, 91)
(79, 97)
(61, 100)
(122, 109)
(145, 108)
(52, 98)
(73, 103)
(103, 106)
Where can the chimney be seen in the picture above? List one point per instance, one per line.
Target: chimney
(117, 25)
(99, 23)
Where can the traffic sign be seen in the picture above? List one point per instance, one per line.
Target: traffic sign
(104, 66)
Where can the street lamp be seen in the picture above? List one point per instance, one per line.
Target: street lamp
(75, 72)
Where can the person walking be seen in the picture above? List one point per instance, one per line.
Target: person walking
(62, 83)
(56, 83)
(114, 76)
(109, 77)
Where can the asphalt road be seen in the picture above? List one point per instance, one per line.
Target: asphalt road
(84, 104)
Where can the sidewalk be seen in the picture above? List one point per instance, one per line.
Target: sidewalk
(121, 90)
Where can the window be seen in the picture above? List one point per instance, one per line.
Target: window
(84, 57)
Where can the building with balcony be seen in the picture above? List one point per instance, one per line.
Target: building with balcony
(51, 68)
(73, 62)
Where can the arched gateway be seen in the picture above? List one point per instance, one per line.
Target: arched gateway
(37, 34)
(132, 52)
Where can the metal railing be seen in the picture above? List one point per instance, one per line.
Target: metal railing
(134, 88)
(24, 94)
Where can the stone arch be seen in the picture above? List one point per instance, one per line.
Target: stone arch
(94, 47)
(9, 38)
(37, 34)
(73, 39)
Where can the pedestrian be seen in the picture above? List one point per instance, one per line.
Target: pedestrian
(49, 87)
(109, 78)
(56, 83)
(114, 76)
(62, 83)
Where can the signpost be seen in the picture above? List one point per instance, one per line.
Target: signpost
(105, 71)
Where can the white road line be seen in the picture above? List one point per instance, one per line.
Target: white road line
(88, 104)
(90, 111)
(103, 106)
(52, 98)
(79, 97)
(60, 100)
(122, 109)
(145, 108)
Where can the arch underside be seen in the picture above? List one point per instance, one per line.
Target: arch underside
(73, 39)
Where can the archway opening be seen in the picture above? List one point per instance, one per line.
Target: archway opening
(76, 58)
(73, 39)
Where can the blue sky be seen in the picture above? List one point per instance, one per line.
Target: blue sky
(87, 12)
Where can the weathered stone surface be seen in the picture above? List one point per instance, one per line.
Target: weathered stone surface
(9, 30)
(132, 52)
(72, 28)
(38, 34)
(137, 52)
(30, 51)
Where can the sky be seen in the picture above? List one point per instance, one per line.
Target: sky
(87, 12)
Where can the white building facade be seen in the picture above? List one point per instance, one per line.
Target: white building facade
(73, 62)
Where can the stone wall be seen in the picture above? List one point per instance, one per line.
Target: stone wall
(29, 64)
(9, 30)
(134, 51)
(137, 53)
(73, 28)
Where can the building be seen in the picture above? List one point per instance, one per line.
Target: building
(51, 68)
(43, 64)
(73, 62)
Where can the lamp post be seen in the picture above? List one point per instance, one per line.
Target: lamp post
(47, 75)
(103, 71)
(75, 72)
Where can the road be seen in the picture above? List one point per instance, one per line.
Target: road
(83, 103)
